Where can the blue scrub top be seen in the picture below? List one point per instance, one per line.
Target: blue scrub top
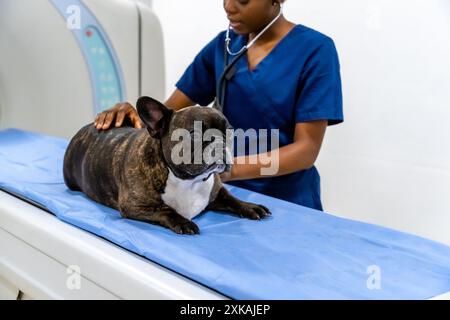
(298, 81)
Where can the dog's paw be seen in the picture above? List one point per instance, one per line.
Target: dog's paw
(253, 211)
(186, 227)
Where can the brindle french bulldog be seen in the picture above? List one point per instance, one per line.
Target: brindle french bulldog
(132, 170)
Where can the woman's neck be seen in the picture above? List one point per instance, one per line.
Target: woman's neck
(278, 30)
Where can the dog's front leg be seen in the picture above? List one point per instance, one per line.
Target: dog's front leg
(164, 216)
(224, 201)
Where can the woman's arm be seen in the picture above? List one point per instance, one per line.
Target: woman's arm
(178, 100)
(299, 155)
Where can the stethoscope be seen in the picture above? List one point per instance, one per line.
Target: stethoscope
(229, 69)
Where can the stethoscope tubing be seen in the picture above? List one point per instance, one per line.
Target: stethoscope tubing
(228, 71)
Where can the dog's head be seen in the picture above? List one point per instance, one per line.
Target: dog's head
(194, 140)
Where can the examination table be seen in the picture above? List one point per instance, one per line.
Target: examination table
(297, 253)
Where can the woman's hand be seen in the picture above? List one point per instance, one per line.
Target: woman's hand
(118, 113)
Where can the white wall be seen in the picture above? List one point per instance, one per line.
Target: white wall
(187, 28)
(389, 163)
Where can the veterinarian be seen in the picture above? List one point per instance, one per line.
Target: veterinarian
(288, 79)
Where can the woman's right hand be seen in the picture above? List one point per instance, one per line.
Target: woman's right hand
(118, 113)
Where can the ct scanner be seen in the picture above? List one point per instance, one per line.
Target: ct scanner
(86, 69)
(114, 52)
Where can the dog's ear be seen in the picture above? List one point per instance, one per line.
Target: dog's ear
(155, 116)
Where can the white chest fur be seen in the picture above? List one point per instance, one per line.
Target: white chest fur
(187, 197)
